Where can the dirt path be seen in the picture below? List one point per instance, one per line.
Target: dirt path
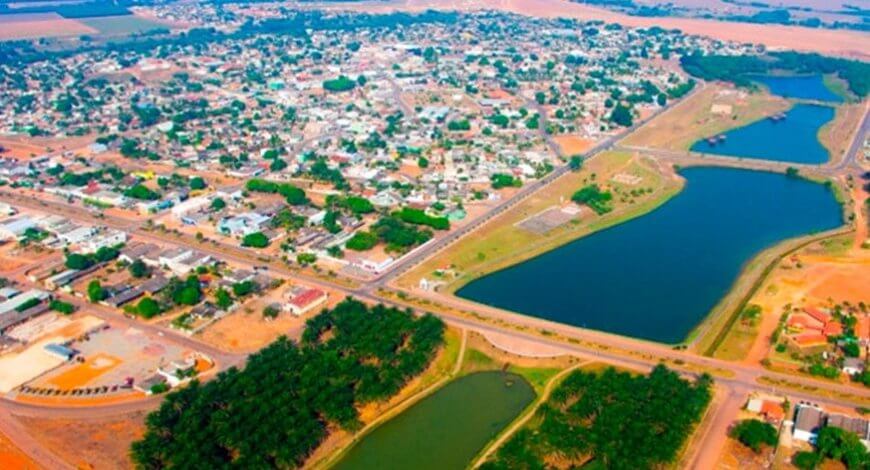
(705, 450)
(526, 417)
(18, 435)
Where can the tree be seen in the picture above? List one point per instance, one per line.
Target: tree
(306, 258)
(197, 183)
(842, 445)
(96, 292)
(806, 460)
(148, 308)
(575, 163)
(78, 261)
(754, 434)
(423, 162)
(255, 240)
(342, 83)
(59, 306)
(241, 289)
(222, 299)
(218, 204)
(270, 311)
(138, 269)
(141, 192)
(362, 241)
(621, 115)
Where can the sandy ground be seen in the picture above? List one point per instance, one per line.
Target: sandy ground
(573, 145)
(817, 275)
(21, 367)
(838, 134)
(96, 444)
(43, 25)
(826, 41)
(247, 330)
(13, 458)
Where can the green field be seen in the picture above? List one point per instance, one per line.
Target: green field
(121, 25)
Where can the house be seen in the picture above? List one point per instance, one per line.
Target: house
(60, 351)
(144, 251)
(853, 365)
(242, 224)
(15, 228)
(108, 239)
(190, 206)
(176, 372)
(807, 423)
(811, 328)
(302, 300)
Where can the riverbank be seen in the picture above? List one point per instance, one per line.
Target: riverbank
(715, 109)
(514, 237)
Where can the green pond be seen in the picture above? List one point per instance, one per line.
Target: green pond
(445, 430)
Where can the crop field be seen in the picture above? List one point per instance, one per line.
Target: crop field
(121, 25)
(38, 25)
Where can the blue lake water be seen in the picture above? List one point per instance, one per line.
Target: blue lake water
(658, 276)
(810, 87)
(793, 139)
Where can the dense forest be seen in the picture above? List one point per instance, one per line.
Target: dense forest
(609, 420)
(277, 410)
(739, 69)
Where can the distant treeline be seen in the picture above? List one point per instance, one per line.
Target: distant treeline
(23, 52)
(739, 69)
(73, 10)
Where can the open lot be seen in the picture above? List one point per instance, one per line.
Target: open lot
(110, 357)
(17, 368)
(91, 443)
(247, 330)
(37, 25)
(823, 272)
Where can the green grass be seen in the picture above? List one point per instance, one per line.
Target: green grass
(838, 86)
(537, 376)
(476, 360)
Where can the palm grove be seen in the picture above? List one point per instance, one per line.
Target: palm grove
(280, 407)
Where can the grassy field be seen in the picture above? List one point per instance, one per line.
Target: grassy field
(121, 25)
(501, 243)
(836, 135)
(693, 119)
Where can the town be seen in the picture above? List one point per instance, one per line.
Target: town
(278, 184)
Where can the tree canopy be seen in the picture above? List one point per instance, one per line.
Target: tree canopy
(615, 419)
(279, 408)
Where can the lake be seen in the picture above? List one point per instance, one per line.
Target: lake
(793, 139)
(445, 430)
(808, 87)
(657, 276)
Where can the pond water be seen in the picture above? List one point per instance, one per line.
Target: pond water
(791, 139)
(656, 277)
(808, 87)
(446, 430)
